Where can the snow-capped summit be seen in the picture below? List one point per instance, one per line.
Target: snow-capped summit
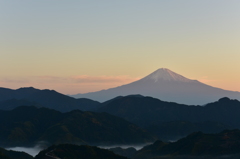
(167, 75)
(166, 85)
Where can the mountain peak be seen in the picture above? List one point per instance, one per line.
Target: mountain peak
(166, 75)
(29, 88)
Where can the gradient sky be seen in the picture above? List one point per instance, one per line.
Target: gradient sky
(78, 46)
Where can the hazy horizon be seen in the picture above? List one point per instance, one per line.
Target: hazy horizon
(85, 46)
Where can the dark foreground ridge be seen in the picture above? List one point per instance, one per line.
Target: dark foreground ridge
(196, 146)
(67, 151)
(9, 154)
(64, 151)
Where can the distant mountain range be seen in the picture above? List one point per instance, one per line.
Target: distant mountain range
(10, 99)
(168, 86)
(171, 120)
(27, 125)
(167, 120)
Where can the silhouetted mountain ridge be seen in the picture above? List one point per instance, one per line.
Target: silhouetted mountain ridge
(165, 118)
(30, 96)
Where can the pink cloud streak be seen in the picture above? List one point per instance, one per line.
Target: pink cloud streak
(67, 85)
(103, 79)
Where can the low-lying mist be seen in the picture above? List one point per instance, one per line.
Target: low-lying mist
(137, 147)
(33, 151)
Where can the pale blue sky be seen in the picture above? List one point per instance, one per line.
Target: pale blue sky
(61, 40)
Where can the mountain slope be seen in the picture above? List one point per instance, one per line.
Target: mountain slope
(67, 151)
(196, 145)
(27, 125)
(9, 154)
(147, 110)
(10, 99)
(168, 86)
(167, 118)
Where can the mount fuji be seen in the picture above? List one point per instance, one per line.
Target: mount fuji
(166, 85)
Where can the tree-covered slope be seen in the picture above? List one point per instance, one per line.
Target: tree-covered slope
(28, 125)
(9, 154)
(195, 145)
(67, 151)
(172, 119)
